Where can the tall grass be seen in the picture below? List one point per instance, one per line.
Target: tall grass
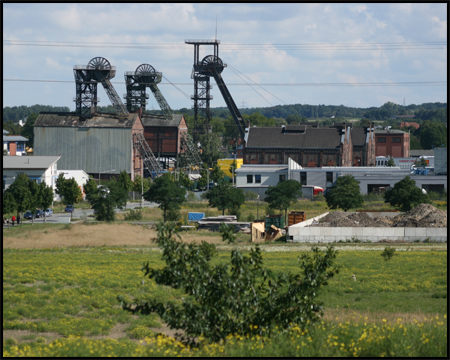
(67, 298)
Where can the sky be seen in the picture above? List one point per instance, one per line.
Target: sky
(351, 54)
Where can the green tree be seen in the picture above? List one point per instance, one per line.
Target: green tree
(432, 134)
(18, 195)
(421, 162)
(211, 144)
(345, 194)
(390, 162)
(216, 174)
(281, 196)
(167, 193)
(240, 297)
(28, 129)
(225, 197)
(117, 193)
(104, 208)
(405, 195)
(184, 180)
(9, 204)
(45, 197)
(69, 191)
(90, 189)
(125, 181)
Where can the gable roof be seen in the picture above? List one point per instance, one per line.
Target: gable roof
(29, 162)
(358, 136)
(60, 119)
(160, 120)
(306, 137)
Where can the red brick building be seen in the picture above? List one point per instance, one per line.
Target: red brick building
(394, 143)
(310, 146)
(164, 136)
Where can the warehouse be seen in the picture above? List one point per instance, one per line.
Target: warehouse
(102, 145)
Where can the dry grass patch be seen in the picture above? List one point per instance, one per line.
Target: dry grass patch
(80, 235)
(355, 316)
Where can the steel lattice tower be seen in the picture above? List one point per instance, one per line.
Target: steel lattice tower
(210, 66)
(98, 70)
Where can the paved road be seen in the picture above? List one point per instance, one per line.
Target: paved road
(80, 213)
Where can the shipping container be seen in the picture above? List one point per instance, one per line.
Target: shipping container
(296, 217)
(276, 220)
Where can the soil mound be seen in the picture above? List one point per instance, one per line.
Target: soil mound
(423, 215)
(343, 219)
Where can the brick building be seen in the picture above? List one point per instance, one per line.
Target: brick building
(310, 145)
(394, 143)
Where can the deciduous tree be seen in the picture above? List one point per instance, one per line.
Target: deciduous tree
(345, 194)
(281, 196)
(225, 197)
(167, 193)
(405, 195)
(241, 297)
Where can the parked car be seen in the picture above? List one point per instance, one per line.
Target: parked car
(28, 215)
(69, 208)
(39, 213)
(49, 212)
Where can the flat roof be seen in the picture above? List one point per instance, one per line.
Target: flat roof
(29, 162)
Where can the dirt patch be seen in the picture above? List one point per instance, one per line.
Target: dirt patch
(80, 235)
(423, 215)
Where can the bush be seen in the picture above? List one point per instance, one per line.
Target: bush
(243, 299)
(388, 253)
(133, 215)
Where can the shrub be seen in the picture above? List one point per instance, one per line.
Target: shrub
(133, 215)
(208, 250)
(243, 299)
(388, 253)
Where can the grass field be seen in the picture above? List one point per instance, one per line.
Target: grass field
(60, 285)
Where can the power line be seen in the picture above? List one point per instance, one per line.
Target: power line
(429, 45)
(406, 83)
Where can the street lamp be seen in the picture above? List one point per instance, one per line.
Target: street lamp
(257, 208)
(232, 173)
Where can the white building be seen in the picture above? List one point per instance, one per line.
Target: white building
(257, 178)
(38, 168)
(80, 176)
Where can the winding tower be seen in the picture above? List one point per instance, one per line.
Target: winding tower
(98, 70)
(136, 98)
(210, 66)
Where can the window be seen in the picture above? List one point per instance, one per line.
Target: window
(381, 140)
(249, 179)
(257, 179)
(329, 177)
(396, 139)
(303, 178)
(282, 178)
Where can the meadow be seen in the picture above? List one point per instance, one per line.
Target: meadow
(62, 301)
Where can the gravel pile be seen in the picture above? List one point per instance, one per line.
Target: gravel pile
(424, 215)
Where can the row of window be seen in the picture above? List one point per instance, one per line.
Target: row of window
(393, 139)
(282, 177)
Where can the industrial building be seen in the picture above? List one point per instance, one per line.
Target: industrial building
(164, 135)
(394, 143)
(311, 145)
(101, 145)
(258, 177)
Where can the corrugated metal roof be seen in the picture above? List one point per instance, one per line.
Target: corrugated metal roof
(29, 162)
(270, 137)
(421, 152)
(159, 120)
(47, 119)
(14, 138)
